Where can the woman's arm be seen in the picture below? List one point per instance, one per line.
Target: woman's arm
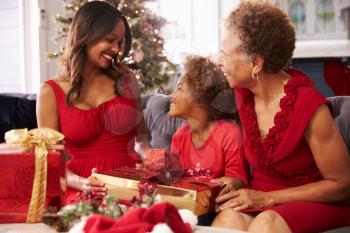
(47, 116)
(235, 163)
(130, 88)
(46, 109)
(332, 159)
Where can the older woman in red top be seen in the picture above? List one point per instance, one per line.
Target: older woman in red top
(300, 165)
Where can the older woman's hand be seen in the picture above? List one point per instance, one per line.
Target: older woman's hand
(244, 199)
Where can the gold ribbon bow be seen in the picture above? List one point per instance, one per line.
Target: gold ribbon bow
(38, 139)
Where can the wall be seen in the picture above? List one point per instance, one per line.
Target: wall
(26, 29)
(52, 8)
(314, 68)
(9, 46)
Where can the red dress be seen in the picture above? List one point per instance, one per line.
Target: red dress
(283, 159)
(220, 155)
(101, 137)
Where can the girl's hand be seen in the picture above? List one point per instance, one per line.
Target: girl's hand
(244, 199)
(229, 183)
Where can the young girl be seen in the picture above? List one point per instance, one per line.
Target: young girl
(95, 102)
(209, 144)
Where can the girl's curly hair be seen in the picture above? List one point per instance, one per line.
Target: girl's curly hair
(209, 87)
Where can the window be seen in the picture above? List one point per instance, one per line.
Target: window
(316, 19)
(10, 78)
(193, 26)
(21, 66)
(321, 26)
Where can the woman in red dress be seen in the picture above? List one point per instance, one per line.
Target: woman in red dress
(95, 102)
(210, 143)
(300, 179)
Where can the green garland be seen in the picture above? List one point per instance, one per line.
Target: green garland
(87, 204)
(69, 215)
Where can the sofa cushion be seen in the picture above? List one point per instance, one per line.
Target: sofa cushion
(159, 125)
(341, 114)
(17, 111)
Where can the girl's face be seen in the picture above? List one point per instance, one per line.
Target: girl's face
(181, 101)
(100, 53)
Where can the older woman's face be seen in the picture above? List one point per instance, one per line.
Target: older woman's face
(236, 65)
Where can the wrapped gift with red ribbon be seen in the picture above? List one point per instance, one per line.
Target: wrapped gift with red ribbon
(32, 174)
(159, 160)
(195, 194)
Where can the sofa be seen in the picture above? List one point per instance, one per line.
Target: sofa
(17, 111)
(341, 115)
(160, 126)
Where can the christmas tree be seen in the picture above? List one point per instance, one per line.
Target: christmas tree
(147, 60)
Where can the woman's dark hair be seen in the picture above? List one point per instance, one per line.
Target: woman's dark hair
(209, 87)
(265, 30)
(92, 22)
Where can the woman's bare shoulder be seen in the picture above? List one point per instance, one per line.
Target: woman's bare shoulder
(46, 89)
(63, 82)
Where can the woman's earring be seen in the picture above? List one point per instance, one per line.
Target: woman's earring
(255, 76)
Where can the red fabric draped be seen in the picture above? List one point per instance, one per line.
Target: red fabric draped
(139, 220)
(337, 77)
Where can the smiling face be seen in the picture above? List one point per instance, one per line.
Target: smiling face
(234, 63)
(101, 52)
(181, 101)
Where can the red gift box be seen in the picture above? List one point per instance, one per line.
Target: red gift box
(194, 194)
(17, 175)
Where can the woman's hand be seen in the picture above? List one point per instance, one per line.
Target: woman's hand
(229, 183)
(87, 185)
(243, 199)
(93, 186)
